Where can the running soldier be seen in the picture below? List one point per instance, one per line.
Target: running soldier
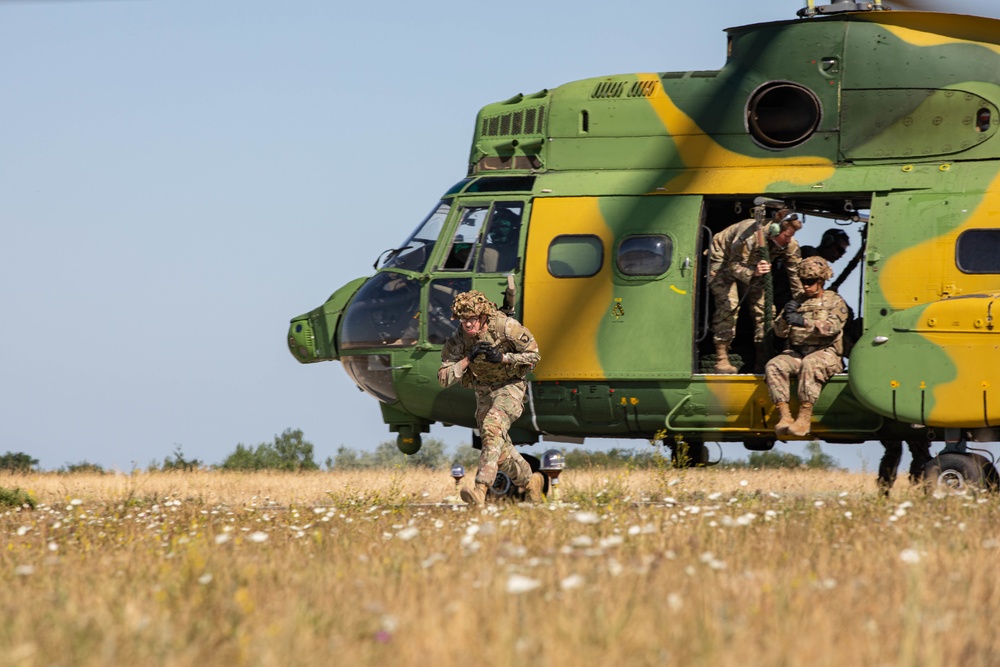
(736, 269)
(492, 354)
(815, 347)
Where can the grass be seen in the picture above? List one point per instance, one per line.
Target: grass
(698, 567)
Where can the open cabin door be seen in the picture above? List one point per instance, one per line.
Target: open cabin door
(609, 286)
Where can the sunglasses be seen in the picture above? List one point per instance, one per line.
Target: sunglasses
(810, 281)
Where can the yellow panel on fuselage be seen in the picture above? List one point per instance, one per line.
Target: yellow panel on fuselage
(564, 313)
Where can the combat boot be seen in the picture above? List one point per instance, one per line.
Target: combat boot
(722, 365)
(804, 421)
(785, 419)
(535, 486)
(476, 495)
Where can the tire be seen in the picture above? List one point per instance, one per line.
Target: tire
(958, 473)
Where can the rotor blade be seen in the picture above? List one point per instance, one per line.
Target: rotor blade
(971, 7)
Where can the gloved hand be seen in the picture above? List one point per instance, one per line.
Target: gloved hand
(479, 348)
(494, 355)
(795, 318)
(791, 307)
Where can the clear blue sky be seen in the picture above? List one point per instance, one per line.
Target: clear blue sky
(180, 178)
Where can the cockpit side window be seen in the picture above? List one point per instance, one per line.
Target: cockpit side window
(463, 245)
(416, 250)
(503, 233)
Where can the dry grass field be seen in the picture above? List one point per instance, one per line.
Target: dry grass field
(674, 567)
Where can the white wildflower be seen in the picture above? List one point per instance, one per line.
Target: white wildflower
(571, 582)
(909, 556)
(517, 584)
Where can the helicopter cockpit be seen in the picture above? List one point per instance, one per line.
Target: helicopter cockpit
(459, 240)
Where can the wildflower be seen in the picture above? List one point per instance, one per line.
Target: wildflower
(258, 536)
(909, 556)
(586, 517)
(408, 533)
(571, 582)
(517, 584)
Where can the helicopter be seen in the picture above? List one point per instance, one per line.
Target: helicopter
(587, 211)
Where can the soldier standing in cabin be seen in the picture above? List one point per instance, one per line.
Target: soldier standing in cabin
(492, 354)
(814, 330)
(739, 258)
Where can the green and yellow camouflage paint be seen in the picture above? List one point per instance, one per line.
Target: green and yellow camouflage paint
(893, 113)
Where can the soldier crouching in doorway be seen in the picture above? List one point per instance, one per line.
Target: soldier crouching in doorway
(492, 354)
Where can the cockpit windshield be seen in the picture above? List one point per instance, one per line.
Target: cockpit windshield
(416, 250)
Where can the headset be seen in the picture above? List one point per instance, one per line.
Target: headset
(774, 228)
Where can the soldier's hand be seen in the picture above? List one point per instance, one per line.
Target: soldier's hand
(791, 307)
(796, 319)
(492, 354)
(762, 268)
(476, 350)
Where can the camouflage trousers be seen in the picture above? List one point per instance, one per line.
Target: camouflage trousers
(496, 410)
(727, 291)
(813, 370)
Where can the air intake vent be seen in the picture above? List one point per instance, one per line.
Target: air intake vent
(608, 89)
(642, 89)
(514, 123)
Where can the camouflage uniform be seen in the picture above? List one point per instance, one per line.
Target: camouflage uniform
(815, 350)
(733, 258)
(499, 389)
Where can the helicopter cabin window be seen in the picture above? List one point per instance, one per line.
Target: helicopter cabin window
(442, 293)
(415, 251)
(645, 255)
(575, 256)
(463, 245)
(503, 233)
(978, 251)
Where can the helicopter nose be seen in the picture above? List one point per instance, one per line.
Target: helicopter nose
(302, 340)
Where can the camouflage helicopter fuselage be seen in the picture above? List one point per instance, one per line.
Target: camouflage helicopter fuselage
(884, 120)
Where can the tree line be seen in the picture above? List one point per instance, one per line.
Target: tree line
(291, 452)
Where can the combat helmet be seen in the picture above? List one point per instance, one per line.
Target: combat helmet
(815, 267)
(471, 304)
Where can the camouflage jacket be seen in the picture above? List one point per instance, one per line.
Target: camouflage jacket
(737, 248)
(511, 336)
(825, 317)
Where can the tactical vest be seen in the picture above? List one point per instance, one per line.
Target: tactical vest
(496, 374)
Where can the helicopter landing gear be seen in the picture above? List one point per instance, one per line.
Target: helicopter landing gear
(688, 454)
(956, 470)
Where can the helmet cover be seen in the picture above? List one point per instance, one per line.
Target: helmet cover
(471, 304)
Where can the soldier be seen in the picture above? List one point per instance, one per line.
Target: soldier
(919, 450)
(832, 246)
(736, 269)
(815, 331)
(492, 354)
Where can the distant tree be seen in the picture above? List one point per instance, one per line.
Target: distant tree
(387, 455)
(17, 462)
(179, 462)
(818, 459)
(289, 451)
(82, 467)
(773, 459)
(467, 457)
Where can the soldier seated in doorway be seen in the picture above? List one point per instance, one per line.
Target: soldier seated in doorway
(814, 330)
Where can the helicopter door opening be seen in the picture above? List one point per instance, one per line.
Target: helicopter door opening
(836, 227)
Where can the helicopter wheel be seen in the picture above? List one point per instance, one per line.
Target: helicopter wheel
(957, 473)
